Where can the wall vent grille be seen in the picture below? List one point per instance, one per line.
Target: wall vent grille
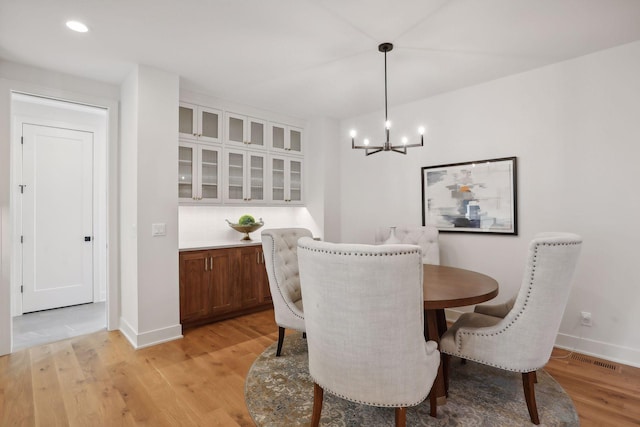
(591, 361)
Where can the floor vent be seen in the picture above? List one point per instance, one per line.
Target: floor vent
(603, 364)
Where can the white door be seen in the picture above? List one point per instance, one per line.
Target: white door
(57, 238)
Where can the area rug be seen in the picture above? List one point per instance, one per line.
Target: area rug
(279, 392)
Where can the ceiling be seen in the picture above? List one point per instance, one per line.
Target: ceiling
(313, 58)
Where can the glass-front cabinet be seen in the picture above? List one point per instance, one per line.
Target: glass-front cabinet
(202, 124)
(286, 180)
(285, 138)
(245, 130)
(245, 176)
(233, 158)
(199, 173)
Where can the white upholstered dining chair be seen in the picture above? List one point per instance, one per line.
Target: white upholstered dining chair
(364, 320)
(426, 237)
(519, 335)
(280, 247)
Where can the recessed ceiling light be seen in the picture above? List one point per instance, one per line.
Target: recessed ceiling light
(77, 26)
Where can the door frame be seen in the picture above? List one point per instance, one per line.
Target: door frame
(72, 115)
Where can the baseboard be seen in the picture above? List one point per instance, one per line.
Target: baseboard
(151, 338)
(614, 353)
(625, 355)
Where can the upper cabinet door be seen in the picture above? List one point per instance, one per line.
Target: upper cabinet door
(187, 172)
(245, 176)
(245, 130)
(199, 173)
(199, 123)
(286, 139)
(209, 125)
(285, 173)
(209, 173)
(188, 121)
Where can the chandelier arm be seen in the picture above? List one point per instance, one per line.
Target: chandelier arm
(368, 147)
(368, 152)
(401, 151)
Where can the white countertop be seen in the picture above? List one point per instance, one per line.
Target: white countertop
(218, 244)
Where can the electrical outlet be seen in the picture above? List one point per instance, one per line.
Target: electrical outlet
(585, 318)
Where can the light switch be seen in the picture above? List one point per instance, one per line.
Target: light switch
(159, 229)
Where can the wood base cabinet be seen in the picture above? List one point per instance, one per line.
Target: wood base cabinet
(218, 284)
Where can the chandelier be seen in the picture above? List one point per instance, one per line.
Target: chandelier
(386, 145)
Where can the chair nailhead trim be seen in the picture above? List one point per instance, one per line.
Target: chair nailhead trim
(383, 405)
(359, 253)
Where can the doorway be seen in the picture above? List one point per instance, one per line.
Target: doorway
(59, 212)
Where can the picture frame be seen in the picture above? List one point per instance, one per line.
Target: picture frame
(471, 197)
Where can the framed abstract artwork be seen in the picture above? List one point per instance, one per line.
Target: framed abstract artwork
(474, 197)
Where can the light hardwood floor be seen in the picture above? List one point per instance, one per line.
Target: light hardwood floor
(99, 380)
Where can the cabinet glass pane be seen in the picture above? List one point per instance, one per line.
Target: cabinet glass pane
(295, 140)
(185, 172)
(278, 137)
(236, 176)
(295, 183)
(277, 177)
(236, 129)
(209, 191)
(209, 124)
(185, 120)
(257, 177)
(209, 174)
(257, 133)
(185, 191)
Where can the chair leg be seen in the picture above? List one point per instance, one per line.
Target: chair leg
(401, 417)
(304, 335)
(280, 340)
(445, 372)
(528, 383)
(433, 403)
(318, 394)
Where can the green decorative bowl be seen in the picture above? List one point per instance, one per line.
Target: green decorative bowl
(246, 229)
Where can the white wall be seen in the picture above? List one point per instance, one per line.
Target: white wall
(574, 128)
(323, 174)
(149, 167)
(16, 77)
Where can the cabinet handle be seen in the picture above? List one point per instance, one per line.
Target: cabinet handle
(257, 257)
(262, 256)
(195, 134)
(210, 263)
(199, 134)
(205, 263)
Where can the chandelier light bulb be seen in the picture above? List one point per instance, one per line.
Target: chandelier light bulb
(366, 141)
(353, 133)
(77, 26)
(405, 140)
(387, 124)
(421, 130)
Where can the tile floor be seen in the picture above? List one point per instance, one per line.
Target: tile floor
(54, 325)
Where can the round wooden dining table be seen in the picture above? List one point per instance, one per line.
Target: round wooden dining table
(448, 287)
